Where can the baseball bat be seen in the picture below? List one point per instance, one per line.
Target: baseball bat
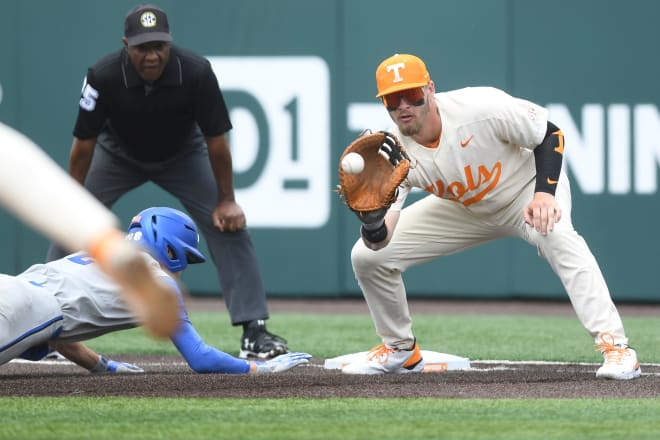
(35, 189)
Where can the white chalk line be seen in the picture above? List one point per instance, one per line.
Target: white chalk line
(69, 363)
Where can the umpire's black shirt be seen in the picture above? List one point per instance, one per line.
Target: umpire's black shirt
(152, 121)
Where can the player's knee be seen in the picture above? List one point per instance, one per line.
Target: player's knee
(564, 245)
(364, 259)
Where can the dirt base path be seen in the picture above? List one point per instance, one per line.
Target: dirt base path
(168, 376)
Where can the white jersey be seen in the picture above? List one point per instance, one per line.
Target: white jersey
(485, 156)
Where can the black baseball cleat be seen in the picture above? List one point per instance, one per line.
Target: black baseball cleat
(260, 343)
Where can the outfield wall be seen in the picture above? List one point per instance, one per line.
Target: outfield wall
(298, 76)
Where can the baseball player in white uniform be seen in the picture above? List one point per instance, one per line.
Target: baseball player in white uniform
(57, 304)
(492, 164)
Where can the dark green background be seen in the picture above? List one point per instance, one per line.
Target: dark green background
(572, 52)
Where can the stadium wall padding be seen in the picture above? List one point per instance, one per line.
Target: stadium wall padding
(298, 76)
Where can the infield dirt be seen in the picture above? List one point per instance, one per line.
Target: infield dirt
(168, 376)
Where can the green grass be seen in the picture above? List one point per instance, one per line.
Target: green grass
(477, 337)
(512, 337)
(140, 418)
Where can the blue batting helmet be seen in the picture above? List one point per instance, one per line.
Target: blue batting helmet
(169, 235)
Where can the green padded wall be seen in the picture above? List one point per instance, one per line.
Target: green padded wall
(298, 76)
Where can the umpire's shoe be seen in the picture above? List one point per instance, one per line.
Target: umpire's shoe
(259, 342)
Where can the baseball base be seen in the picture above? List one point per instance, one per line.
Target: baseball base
(434, 362)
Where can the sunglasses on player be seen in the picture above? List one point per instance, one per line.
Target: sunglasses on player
(414, 97)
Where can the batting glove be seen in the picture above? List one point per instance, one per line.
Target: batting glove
(106, 365)
(283, 362)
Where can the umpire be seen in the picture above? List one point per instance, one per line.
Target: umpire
(153, 111)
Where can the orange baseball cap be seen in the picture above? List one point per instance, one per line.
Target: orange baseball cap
(401, 72)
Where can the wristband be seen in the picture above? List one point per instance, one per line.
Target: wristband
(374, 235)
(101, 366)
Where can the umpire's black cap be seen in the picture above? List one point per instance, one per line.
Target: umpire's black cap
(146, 23)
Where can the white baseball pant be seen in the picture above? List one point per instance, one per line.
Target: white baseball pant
(434, 227)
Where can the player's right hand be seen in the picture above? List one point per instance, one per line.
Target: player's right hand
(283, 362)
(123, 367)
(542, 212)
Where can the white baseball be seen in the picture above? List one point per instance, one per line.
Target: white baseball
(352, 163)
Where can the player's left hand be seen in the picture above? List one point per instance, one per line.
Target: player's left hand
(283, 362)
(228, 216)
(106, 365)
(391, 150)
(542, 212)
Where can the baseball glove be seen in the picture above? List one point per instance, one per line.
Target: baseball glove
(386, 165)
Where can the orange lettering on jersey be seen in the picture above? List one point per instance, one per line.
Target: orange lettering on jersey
(438, 188)
(468, 177)
(560, 148)
(456, 190)
(493, 176)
